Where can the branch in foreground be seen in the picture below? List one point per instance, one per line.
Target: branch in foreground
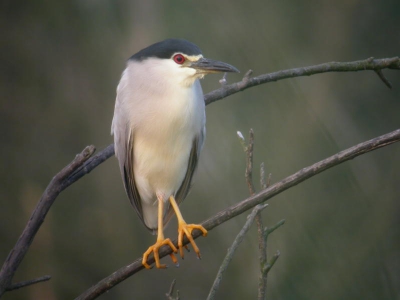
(25, 240)
(384, 140)
(361, 65)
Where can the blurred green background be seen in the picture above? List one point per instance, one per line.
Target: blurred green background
(60, 63)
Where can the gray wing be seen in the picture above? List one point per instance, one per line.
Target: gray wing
(125, 155)
(129, 180)
(186, 183)
(123, 142)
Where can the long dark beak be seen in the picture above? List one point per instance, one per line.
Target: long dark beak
(205, 65)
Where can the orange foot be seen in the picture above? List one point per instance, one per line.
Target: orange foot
(154, 248)
(186, 229)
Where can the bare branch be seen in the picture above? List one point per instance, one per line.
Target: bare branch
(263, 181)
(229, 213)
(262, 250)
(268, 231)
(248, 149)
(262, 243)
(354, 66)
(271, 263)
(266, 267)
(21, 284)
(239, 238)
(89, 165)
(249, 163)
(170, 293)
(50, 194)
(383, 78)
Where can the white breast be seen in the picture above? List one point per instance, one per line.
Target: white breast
(164, 119)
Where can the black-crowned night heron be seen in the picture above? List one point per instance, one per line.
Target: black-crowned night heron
(159, 130)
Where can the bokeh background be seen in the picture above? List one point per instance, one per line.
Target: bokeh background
(60, 63)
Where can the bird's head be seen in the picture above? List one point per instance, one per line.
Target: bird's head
(178, 60)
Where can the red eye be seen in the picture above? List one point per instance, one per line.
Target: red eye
(179, 59)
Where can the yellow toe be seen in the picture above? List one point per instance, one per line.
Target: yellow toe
(155, 248)
(186, 229)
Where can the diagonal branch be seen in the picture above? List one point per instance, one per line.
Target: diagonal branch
(229, 213)
(49, 196)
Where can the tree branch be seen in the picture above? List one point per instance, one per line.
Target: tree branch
(354, 66)
(262, 242)
(266, 267)
(271, 263)
(49, 196)
(229, 213)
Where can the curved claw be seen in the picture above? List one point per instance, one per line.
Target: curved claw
(154, 248)
(186, 229)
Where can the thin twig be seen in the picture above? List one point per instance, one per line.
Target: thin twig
(22, 284)
(248, 150)
(262, 245)
(239, 238)
(116, 277)
(383, 78)
(170, 293)
(268, 265)
(262, 251)
(269, 180)
(249, 163)
(263, 181)
(268, 231)
(271, 263)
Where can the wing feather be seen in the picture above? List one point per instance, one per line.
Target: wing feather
(129, 180)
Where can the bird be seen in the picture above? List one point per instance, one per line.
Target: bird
(159, 131)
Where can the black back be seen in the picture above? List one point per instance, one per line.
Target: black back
(166, 49)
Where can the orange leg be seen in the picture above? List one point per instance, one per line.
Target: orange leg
(184, 228)
(161, 241)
